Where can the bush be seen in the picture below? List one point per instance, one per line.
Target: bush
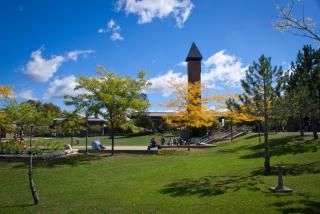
(40, 146)
(11, 147)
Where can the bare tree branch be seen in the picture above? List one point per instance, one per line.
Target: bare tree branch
(286, 21)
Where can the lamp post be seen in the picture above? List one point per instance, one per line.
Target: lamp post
(87, 127)
(32, 185)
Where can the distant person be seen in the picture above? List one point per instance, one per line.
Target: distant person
(97, 146)
(175, 142)
(21, 140)
(153, 143)
(163, 140)
(170, 142)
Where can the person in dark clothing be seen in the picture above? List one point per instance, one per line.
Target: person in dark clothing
(153, 144)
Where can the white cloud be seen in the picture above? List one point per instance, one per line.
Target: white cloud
(223, 67)
(114, 28)
(162, 83)
(219, 59)
(111, 24)
(221, 70)
(60, 87)
(26, 94)
(183, 64)
(73, 55)
(41, 70)
(147, 10)
(116, 36)
(101, 30)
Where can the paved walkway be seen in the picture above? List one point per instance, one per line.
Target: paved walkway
(118, 148)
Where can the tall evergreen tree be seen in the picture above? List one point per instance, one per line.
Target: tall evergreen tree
(303, 87)
(261, 87)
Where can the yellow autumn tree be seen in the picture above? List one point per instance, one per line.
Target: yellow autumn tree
(5, 91)
(190, 109)
(236, 113)
(5, 124)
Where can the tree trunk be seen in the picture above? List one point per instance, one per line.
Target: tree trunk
(314, 128)
(259, 130)
(267, 167)
(189, 130)
(231, 131)
(112, 139)
(301, 127)
(31, 183)
(87, 127)
(72, 138)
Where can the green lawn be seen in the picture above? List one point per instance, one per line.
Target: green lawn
(224, 179)
(119, 140)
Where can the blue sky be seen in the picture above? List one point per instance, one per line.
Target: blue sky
(47, 44)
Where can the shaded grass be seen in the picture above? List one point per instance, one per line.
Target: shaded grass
(226, 179)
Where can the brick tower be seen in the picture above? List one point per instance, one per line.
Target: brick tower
(194, 64)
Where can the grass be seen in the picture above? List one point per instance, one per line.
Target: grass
(226, 179)
(119, 140)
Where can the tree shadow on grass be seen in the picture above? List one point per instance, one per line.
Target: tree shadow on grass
(292, 169)
(255, 135)
(212, 185)
(72, 160)
(233, 150)
(283, 146)
(16, 206)
(305, 205)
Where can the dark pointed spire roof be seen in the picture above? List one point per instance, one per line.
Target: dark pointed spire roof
(194, 53)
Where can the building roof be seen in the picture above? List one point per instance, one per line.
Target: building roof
(158, 114)
(194, 53)
(89, 119)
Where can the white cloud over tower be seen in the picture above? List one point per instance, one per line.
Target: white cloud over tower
(218, 71)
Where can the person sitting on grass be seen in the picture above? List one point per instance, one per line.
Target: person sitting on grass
(153, 144)
(96, 145)
(175, 142)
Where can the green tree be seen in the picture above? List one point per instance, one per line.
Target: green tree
(26, 116)
(117, 97)
(85, 104)
(237, 114)
(261, 86)
(72, 124)
(302, 87)
(49, 112)
(142, 120)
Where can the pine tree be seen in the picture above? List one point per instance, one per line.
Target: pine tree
(303, 87)
(261, 86)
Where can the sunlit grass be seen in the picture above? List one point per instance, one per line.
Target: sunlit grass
(226, 179)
